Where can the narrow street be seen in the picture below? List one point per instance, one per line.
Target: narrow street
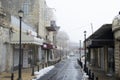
(67, 69)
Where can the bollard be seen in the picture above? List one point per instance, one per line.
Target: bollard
(81, 65)
(96, 78)
(33, 70)
(87, 70)
(84, 68)
(92, 76)
(12, 76)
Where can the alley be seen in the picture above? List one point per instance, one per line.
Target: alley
(65, 70)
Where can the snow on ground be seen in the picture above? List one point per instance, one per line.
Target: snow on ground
(42, 72)
(85, 76)
(68, 57)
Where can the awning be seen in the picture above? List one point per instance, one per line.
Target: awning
(25, 39)
(103, 36)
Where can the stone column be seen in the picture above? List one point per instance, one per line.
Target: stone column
(99, 57)
(106, 58)
(9, 50)
(117, 58)
(96, 56)
(92, 57)
(9, 59)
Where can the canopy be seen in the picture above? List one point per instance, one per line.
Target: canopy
(25, 39)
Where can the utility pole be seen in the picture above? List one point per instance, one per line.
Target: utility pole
(85, 50)
(92, 28)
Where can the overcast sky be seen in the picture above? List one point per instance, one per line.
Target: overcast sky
(75, 16)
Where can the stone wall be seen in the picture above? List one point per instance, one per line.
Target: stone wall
(5, 51)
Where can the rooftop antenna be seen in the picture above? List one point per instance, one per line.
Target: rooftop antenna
(92, 28)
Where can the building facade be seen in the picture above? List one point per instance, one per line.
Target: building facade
(116, 31)
(100, 47)
(5, 47)
(34, 33)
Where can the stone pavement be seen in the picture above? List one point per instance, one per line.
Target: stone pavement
(26, 74)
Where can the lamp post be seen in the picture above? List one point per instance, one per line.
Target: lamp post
(20, 13)
(80, 50)
(85, 50)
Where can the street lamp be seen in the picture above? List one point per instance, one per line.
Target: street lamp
(20, 14)
(85, 50)
(80, 50)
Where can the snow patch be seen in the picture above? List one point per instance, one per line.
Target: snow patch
(42, 72)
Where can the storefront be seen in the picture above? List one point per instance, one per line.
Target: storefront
(31, 45)
(101, 46)
(31, 50)
(48, 52)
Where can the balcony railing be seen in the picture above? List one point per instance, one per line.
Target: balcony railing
(53, 26)
(50, 28)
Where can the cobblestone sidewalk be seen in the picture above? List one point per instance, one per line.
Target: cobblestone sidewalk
(26, 74)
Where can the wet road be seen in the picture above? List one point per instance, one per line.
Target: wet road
(65, 70)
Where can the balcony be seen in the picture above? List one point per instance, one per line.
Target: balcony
(52, 26)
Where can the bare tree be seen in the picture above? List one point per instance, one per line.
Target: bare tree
(62, 41)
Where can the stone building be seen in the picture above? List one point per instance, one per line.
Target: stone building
(31, 43)
(104, 48)
(116, 31)
(100, 47)
(34, 33)
(5, 31)
(50, 34)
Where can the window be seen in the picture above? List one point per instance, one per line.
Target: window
(26, 7)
